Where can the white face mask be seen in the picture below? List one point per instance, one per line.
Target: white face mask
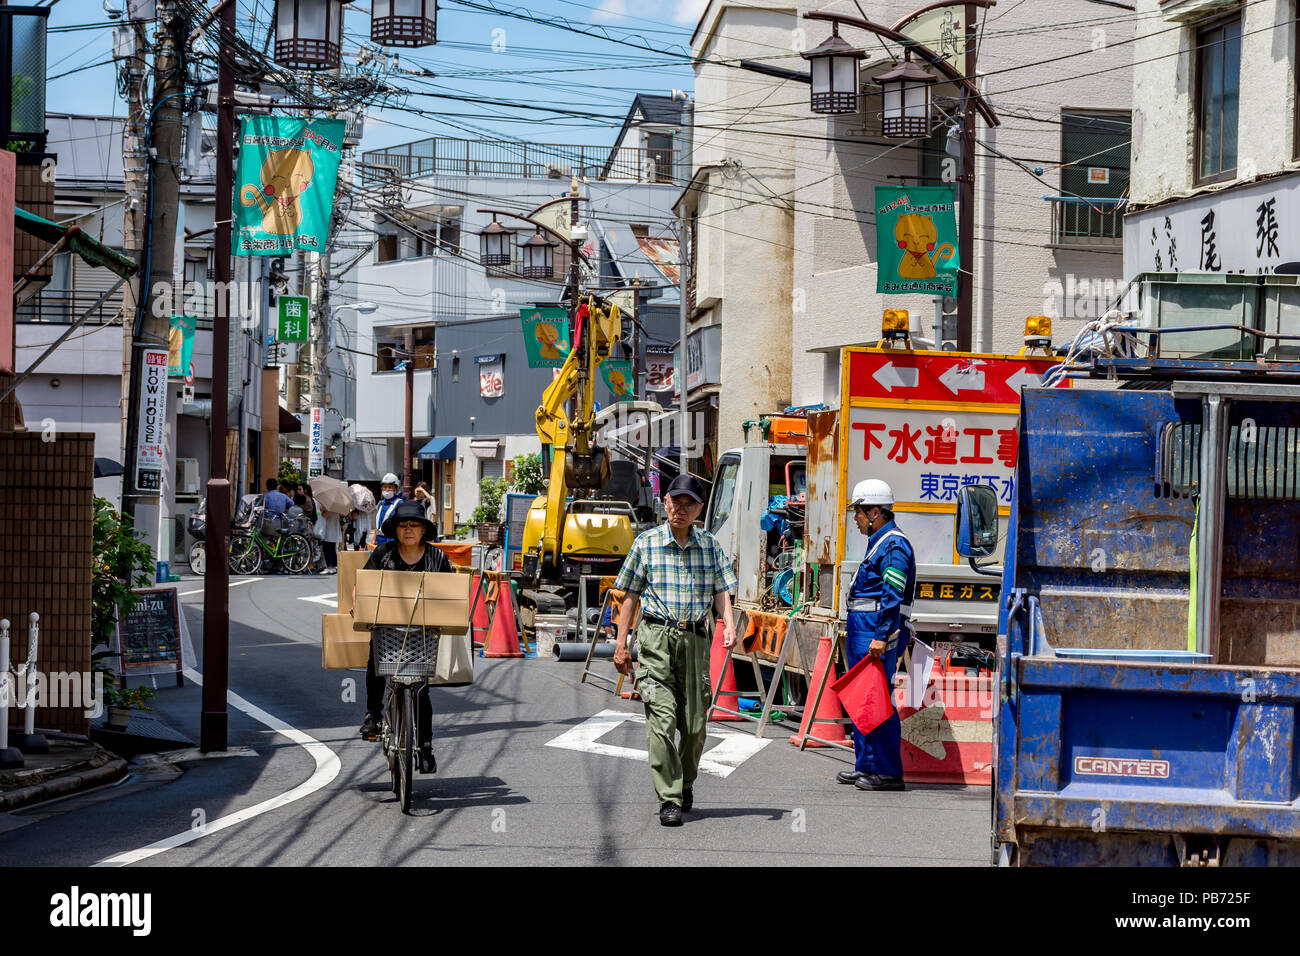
(388, 495)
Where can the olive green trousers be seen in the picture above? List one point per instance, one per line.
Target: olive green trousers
(673, 682)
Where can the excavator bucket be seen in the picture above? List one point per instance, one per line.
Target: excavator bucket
(588, 472)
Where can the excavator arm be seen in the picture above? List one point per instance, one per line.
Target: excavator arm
(577, 463)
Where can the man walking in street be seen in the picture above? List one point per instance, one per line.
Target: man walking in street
(682, 575)
(880, 603)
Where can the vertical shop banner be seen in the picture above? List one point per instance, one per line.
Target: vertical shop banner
(619, 377)
(916, 240)
(316, 446)
(284, 187)
(293, 318)
(180, 345)
(659, 369)
(491, 376)
(152, 424)
(546, 336)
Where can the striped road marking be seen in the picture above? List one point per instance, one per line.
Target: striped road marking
(734, 750)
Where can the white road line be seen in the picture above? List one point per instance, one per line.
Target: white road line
(235, 585)
(329, 599)
(734, 750)
(327, 768)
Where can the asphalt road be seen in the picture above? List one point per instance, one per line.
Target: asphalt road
(307, 791)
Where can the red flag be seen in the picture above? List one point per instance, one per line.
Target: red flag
(865, 694)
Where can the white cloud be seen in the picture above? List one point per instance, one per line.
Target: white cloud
(688, 12)
(609, 10)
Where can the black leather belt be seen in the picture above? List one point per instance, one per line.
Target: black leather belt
(702, 623)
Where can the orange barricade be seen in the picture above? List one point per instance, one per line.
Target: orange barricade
(950, 738)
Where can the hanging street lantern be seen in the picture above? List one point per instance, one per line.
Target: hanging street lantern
(834, 67)
(308, 34)
(906, 89)
(539, 258)
(496, 245)
(404, 22)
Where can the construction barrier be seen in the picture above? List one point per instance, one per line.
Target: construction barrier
(723, 673)
(950, 738)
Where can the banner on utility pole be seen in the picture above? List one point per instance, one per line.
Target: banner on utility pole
(288, 168)
(181, 345)
(546, 336)
(152, 424)
(617, 374)
(916, 240)
(316, 451)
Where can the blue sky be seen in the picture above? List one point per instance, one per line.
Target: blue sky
(479, 54)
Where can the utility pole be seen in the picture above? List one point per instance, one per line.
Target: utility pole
(135, 183)
(408, 488)
(966, 197)
(683, 280)
(152, 322)
(216, 583)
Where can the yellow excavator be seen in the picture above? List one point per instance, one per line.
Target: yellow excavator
(570, 532)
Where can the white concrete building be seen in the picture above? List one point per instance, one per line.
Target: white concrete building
(1050, 182)
(1216, 144)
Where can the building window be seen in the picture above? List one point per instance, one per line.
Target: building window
(455, 369)
(1218, 81)
(491, 468)
(659, 157)
(1096, 146)
(934, 150)
(386, 247)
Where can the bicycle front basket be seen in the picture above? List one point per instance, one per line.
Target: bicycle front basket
(409, 652)
(273, 525)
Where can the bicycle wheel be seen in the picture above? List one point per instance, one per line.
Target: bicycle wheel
(406, 751)
(295, 553)
(198, 557)
(245, 555)
(392, 722)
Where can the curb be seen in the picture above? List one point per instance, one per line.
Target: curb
(110, 771)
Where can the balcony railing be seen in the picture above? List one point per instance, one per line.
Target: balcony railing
(64, 308)
(443, 156)
(1082, 221)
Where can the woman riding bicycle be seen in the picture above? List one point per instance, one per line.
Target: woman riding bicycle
(410, 549)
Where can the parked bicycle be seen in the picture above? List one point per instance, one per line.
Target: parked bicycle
(271, 540)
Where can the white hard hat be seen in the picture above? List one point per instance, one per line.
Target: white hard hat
(873, 491)
(388, 479)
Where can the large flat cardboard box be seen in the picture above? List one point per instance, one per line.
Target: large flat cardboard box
(341, 645)
(415, 598)
(350, 562)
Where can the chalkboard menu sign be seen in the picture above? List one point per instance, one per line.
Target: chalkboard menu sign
(149, 637)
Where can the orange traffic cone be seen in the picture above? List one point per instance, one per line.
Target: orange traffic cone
(479, 630)
(717, 656)
(828, 708)
(504, 639)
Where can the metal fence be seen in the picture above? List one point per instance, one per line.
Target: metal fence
(510, 160)
(1078, 221)
(64, 308)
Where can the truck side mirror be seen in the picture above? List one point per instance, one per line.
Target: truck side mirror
(976, 531)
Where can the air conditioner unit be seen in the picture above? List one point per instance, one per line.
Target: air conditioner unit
(187, 476)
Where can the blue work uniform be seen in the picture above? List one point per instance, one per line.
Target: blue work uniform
(382, 513)
(880, 603)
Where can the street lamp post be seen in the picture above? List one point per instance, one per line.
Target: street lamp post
(907, 77)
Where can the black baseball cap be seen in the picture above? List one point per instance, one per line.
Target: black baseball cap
(687, 485)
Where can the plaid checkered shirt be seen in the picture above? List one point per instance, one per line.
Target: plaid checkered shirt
(676, 583)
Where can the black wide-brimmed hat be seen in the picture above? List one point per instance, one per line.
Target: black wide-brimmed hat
(408, 511)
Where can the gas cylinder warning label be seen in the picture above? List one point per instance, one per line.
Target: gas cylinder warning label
(1121, 767)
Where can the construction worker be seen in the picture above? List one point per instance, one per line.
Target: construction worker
(879, 605)
(684, 578)
(390, 497)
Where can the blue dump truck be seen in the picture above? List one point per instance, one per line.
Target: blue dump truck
(1149, 635)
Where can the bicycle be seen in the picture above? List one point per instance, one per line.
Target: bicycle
(408, 657)
(250, 548)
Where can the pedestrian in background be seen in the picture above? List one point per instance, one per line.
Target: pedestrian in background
(275, 501)
(424, 496)
(329, 531)
(391, 497)
(684, 578)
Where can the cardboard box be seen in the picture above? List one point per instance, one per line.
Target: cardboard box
(414, 598)
(350, 562)
(341, 645)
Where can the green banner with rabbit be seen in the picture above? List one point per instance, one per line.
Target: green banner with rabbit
(284, 186)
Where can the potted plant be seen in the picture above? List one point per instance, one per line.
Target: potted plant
(121, 562)
(122, 700)
(487, 516)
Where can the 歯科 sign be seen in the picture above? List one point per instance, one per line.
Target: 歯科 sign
(546, 336)
(618, 376)
(284, 188)
(149, 635)
(152, 423)
(491, 376)
(293, 318)
(916, 240)
(180, 345)
(316, 444)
